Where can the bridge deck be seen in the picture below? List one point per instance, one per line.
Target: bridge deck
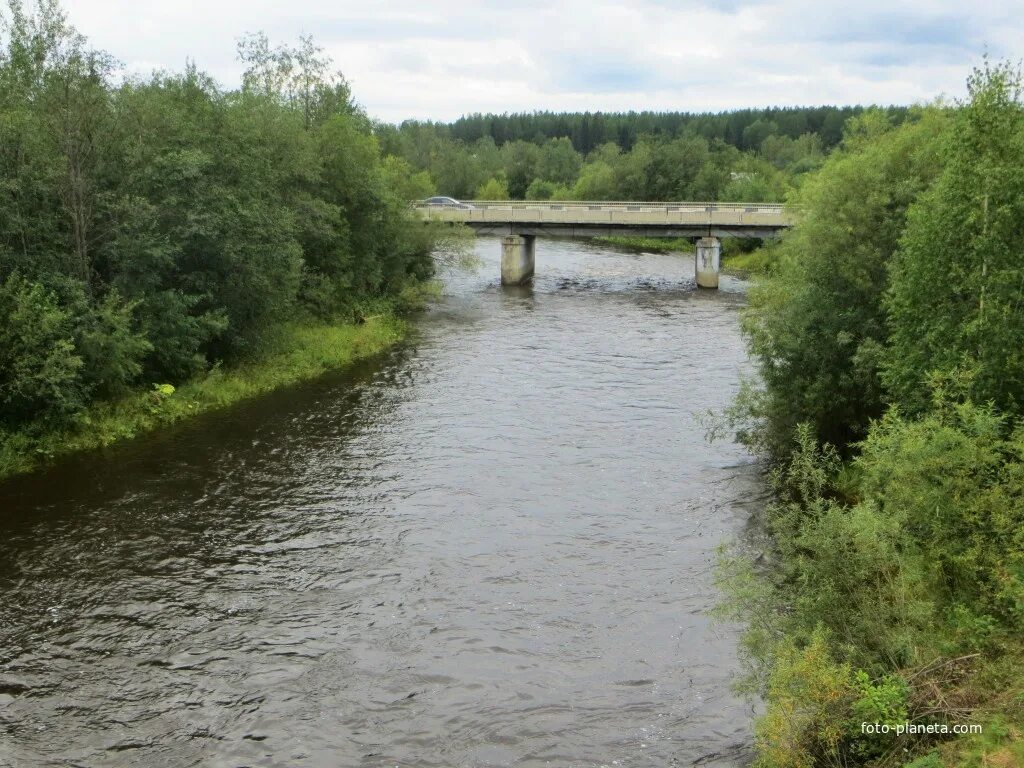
(595, 218)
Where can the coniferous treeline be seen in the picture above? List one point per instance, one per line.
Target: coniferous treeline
(152, 228)
(741, 128)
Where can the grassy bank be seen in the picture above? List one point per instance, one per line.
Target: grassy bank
(757, 262)
(297, 352)
(655, 244)
(739, 258)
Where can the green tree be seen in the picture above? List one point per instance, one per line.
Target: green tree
(111, 346)
(559, 161)
(755, 182)
(407, 184)
(755, 134)
(957, 295)
(540, 189)
(817, 325)
(596, 182)
(492, 189)
(633, 171)
(798, 155)
(520, 160)
(457, 172)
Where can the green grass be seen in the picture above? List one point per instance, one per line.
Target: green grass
(656, 244)
(298, 352)
(758, 262)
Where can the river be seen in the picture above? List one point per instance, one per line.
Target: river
(490, 547)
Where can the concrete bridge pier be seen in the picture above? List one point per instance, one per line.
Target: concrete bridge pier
(708, 258)
(517, 259)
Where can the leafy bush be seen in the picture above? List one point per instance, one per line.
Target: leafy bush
(915, 565)
(40, 372)
(955, 482)
(492, 189)
(112, 349)
(809, 698)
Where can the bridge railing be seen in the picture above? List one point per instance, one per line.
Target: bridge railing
(627, 205)
(618, 214)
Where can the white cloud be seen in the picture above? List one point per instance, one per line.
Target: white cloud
(414, 58)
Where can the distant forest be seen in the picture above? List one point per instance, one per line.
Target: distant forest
(750, 154)
(743, 128)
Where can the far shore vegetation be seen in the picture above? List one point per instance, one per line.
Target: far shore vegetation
(744, 258)
(649, 244)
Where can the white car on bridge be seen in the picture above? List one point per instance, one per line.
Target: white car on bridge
(446, 202)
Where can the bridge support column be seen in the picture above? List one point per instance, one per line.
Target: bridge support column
(708, 258)
(517, 259)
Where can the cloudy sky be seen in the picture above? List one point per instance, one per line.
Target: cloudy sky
(439, 59)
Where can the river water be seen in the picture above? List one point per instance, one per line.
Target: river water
(490, 547)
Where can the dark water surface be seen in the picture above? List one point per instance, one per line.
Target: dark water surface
(491, 547)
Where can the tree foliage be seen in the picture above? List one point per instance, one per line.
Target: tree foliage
(40, 373)
(956, 301)
(634, 156)
(816, 327)
(744, 128)
(892, 328)
(153, 227)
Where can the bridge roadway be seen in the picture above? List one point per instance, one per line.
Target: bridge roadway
(521, 222)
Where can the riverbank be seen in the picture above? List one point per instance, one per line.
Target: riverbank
(757, 262)
(298, 352)
(876, 595)
(748, 258)
(885, 604)
(734, 260)
(650, 244)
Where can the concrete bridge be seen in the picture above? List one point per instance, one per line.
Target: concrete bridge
(522, 222)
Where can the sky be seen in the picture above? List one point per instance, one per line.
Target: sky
(439, 59)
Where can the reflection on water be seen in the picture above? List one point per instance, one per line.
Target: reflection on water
(489, 548)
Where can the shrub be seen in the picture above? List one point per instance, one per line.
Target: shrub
(112, 350)
(809, 696)
(40, 371)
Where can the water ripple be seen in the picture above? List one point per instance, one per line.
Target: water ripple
(489, 548)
